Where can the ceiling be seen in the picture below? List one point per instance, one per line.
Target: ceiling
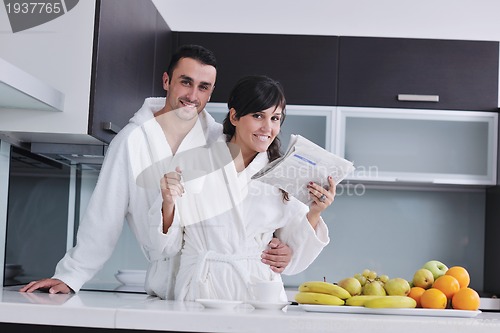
(447, 19)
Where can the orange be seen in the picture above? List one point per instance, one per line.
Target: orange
(461, 274)
(416, 293)
(465, 299)
(433, 298)
(447, 284)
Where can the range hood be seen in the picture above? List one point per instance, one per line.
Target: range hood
(20, 90)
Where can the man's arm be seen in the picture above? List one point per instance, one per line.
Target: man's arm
(277, 255)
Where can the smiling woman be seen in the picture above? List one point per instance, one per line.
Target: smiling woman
(256, 112)
(220, 253)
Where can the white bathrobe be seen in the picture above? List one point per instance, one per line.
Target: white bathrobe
(227, 224)
(120, 194)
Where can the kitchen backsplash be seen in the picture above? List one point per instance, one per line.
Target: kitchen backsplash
(392, 231)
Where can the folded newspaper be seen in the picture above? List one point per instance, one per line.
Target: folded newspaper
(303, 162)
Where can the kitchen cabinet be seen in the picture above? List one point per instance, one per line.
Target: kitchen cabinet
(311, 121)
(21, 90)
(131, 49)
(418, 73)
(305, 65)
(419, 146)
(106, 60)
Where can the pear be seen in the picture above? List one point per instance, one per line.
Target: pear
(374, 288)
(352, 285)
(397, 287)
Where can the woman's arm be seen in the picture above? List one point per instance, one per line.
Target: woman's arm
(322, 198)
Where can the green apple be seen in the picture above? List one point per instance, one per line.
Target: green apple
(437, 268)
(423, 278)
(374, 288)
(352, 285)
(397, 287)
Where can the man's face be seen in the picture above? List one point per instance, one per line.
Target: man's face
(189, 88)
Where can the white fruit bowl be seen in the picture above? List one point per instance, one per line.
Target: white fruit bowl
(131, 277)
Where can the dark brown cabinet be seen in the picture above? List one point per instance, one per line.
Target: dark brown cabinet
(132, 45)
(461, 75)
(305, 65)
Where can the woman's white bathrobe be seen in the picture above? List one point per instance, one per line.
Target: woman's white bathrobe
(222, 230)
(119, 196)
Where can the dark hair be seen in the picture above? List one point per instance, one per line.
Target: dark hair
(196, 52)
(253, 94)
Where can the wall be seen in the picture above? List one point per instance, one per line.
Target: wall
(448, 19)
(396, 232)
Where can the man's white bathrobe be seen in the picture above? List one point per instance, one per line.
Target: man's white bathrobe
(119, 196)
(222, 229)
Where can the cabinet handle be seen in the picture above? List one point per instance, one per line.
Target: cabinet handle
(110, 127)
(418, 98)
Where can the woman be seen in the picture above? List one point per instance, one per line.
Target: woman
(222, 229)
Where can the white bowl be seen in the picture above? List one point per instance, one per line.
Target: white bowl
(131, 277)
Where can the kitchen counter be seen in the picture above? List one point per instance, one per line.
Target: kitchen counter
(120, 310)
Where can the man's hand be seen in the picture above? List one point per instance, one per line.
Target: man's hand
(277, 255)
(53, 286)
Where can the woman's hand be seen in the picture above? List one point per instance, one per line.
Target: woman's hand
(322, 198)
(277, 255)
(54, 286)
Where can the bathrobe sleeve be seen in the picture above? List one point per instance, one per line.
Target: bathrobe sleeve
(103, 221)
(306, 243)
(168, 244)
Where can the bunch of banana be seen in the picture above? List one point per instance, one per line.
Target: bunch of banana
(391, 302)
(324, 288)
(304, 297)
(360, 300)
(319, 292)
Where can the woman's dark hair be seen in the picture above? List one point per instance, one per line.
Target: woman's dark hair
(196, 52)
(253, 94)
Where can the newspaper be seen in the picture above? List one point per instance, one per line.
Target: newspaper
(303, 162)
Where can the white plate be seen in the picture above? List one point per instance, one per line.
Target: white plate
(218, 303)
(405, 312)
(268, 306)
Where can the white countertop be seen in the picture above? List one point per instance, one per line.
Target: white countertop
(139, 311)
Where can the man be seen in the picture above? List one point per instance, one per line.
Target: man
(162, 128)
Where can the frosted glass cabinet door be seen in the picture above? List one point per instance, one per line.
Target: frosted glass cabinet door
(312, 122)
(410, 146)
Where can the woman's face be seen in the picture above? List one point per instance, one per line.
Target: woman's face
(256, 131)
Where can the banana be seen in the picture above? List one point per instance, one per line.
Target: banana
(324, 288)
(391, 302)
(359, 300)
(303, 297)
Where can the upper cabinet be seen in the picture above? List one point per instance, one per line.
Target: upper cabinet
(419, 146)
(105, 57)
(305, 65)
(130, 54)
(418, 73)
